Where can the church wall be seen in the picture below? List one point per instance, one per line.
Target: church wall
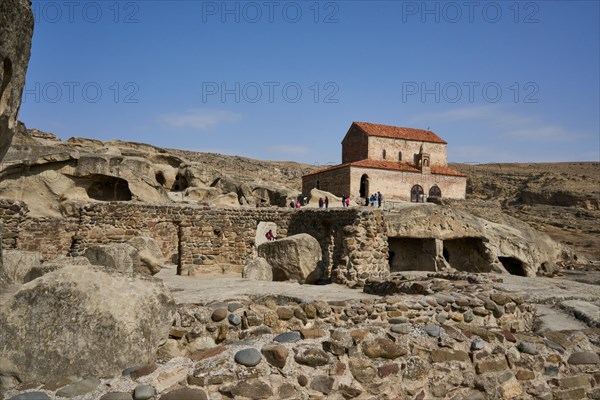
(336, 181)
(409, 148)
(396, 185)
(354, 146)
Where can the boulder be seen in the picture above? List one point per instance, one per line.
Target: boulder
(258, 269)
(151, 257)
(49, 266)
(17, 264)
(120, 257)
(297, 258)
(82, 320)
(16, 30)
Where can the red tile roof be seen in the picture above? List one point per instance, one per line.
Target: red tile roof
(397, 132)
(392, 166)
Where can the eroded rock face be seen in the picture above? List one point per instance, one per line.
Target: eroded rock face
(16, 30)
(297, 257)
(466, 242)
(82, 320)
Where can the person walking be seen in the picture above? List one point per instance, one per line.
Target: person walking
(379, 198)
(326, 202)
(344, 201)
(347, 201)
(320, 202)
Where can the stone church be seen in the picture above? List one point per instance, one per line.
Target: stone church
(402, 163)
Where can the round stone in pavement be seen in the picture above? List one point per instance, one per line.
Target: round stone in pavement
(477, 344)
(433, 330)
(288, 337)
(79, 388)
(527, 348)
(234, 319)
(584, 357)
(31, 396)
(143, 392)
(248, 357)
(185, 394)
(219, 314)
(401, 328)
(234, 306)
(116, 396)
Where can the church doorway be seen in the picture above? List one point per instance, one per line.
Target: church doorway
(417, 194)
(364, 186)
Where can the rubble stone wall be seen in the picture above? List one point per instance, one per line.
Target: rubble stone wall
(202, 239)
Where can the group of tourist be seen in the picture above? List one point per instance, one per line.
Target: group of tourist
(301, 201)
(324, 202)
(373, 199)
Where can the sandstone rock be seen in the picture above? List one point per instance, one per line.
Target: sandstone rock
(311, 356)
(323, 384)
(17, 266)
(472, 244)
(120, 257)
(16, 30)
(151, 257)
(296, 257)
(275, 355)
(362, 370)
(258, 269)
(255, 390)
(82, 321)
(382, 348)
(185, 394)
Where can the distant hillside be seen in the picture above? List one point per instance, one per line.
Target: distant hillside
(561, 199)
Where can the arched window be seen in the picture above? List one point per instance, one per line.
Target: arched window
(435, 191)
(399, 156)
(384, 154)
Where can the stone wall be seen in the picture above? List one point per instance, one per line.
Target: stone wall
(200, 239)
(336, 181)
(355, 146)
(409, 149)
(397, 185)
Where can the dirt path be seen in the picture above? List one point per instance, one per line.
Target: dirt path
(207, 288)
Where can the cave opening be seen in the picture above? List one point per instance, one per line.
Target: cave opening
(514, 266)
(411, 254)
(180, 183)
(160, 178)
(109, 188)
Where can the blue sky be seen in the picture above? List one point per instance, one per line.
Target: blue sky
(499, 81)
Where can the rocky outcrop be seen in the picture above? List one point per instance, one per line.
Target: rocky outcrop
(80, 321)
(16, 30)
(297, 258)
(466, 242)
